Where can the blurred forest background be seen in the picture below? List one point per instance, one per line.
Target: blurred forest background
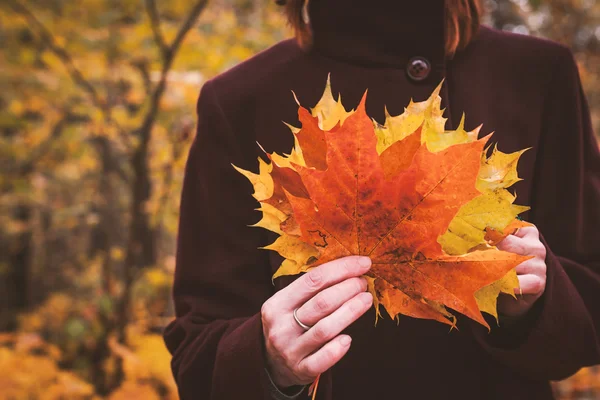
(97, 111)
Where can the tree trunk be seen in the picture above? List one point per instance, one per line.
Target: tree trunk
(17, 289)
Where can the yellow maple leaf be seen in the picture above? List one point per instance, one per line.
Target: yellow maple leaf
(271, 218)
(438, 141)
(292, 248)
(262, 182)
(426, 114)
(487, 297)
(499, 170)
(329, 111)
(492, 209)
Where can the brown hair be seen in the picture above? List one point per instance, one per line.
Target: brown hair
(463, 18)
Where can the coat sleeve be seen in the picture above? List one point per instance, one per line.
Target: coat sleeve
(561, 334)
(221, 278)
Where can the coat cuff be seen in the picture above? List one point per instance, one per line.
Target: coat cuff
(241, 362)
(546, 342)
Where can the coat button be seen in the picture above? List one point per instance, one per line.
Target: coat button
(418, 68)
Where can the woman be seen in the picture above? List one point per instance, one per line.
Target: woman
(238, 336)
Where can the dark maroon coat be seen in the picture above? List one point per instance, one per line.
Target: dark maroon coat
(525, 89)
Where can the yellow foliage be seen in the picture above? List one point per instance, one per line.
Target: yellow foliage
(583, 385)
(16, 107)
(147, 360)
(134, 391)
(157, 277)
(117, 253)
(37, 376)
(52, 314)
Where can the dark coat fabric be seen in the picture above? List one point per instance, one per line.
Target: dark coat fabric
(526, 90)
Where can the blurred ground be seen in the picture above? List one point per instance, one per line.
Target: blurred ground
(96, 116)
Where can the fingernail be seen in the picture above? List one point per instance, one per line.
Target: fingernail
(364, 261)
(346, 340)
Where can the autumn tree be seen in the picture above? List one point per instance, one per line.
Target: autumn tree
(98, 111)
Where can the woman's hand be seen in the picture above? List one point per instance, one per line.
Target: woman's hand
(328, 299)
(531, 273)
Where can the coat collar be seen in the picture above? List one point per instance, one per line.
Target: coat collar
(379, 33)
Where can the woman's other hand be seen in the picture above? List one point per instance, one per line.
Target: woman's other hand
(327, 299)
(531, 273)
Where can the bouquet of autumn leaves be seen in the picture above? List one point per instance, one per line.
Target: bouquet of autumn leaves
(425, 204)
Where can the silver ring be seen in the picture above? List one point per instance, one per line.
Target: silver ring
(302, 325)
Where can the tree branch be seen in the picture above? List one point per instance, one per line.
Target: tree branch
(148, 122)
(110, 161)
(187, 25)
(152, 12)
(68, 118)
(26, 167)
(60, 52)
(178, 144)
(75, 74)
(141, 65)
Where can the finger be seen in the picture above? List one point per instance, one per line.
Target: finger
(525, 246)
(531, 284)
(528, 231)
(325, 358)
(319, 278)
(532, 266)
(330, 299)
(330, 326)
(513, 244)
